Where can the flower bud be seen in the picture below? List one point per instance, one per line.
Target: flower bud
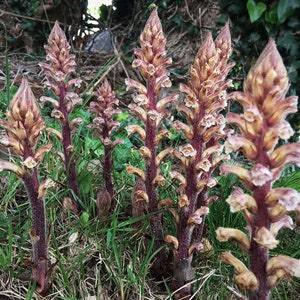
(238, 200)
(226, 234)
(172, 240)
(24, 120)
(288, 264)
(265, 238)
(136, 171)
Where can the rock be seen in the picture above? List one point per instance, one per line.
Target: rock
(100, 42)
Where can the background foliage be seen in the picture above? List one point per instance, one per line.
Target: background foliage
(253, 22)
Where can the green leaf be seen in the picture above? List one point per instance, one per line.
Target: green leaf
(84, 217)
(123, 151)
(286, 8)
(94, 145)
(123, 116)
(255, 10)
(271, 16)
(289, 43)
(108, 237)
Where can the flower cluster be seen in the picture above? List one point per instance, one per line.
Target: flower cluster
(205, 97)
(152, 62)
(265, 209)
(24, 127)
(104, 123)
(58, 69)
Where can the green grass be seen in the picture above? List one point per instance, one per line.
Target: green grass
(108, 257)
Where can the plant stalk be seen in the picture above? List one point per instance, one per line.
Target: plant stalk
(38, 233)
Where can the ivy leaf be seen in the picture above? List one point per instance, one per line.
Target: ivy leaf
(271, 15)
(255, 10)
(286, 8)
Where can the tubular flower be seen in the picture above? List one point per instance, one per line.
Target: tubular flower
(196, 217)
(58, 69)
(260, 175)
(280, 267)
(8, 166)
(235, 143)
(172, 240)
(244, 278)
(226, 234)
(136, 171)
(179, 177)
(241, 172)
(247, 281)
(285, 221)
(260, 126)
(288, 264)
(289, 198)
(238, 200)
(265, 238)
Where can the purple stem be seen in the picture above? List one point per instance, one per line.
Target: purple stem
(202, 197)
(151, 172)
(107, 170)
(185, 232)
(107, 165)
(259, 255)
(67, 145)
(40, 247)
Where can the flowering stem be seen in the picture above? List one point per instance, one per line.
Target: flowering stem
(24, 127)
(104, 108)
(205, 97)
(258, 261)
(107, 168)
(70, 165)
(107, 165)
(184, 231)
(259, 256)
(58, 69)
(265, 209)
(151, 110)
(151, 172)
(38, 233)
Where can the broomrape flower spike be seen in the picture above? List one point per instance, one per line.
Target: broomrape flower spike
(104, 124)
(205, 97)
(260, 127)
(58, 69)
(151, 109)
(24, 127)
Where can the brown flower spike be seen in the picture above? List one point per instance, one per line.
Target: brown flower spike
(24, 127)
(260, 127)
(205, 97)
(58, 70)
(104, 123)
(151, 110)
